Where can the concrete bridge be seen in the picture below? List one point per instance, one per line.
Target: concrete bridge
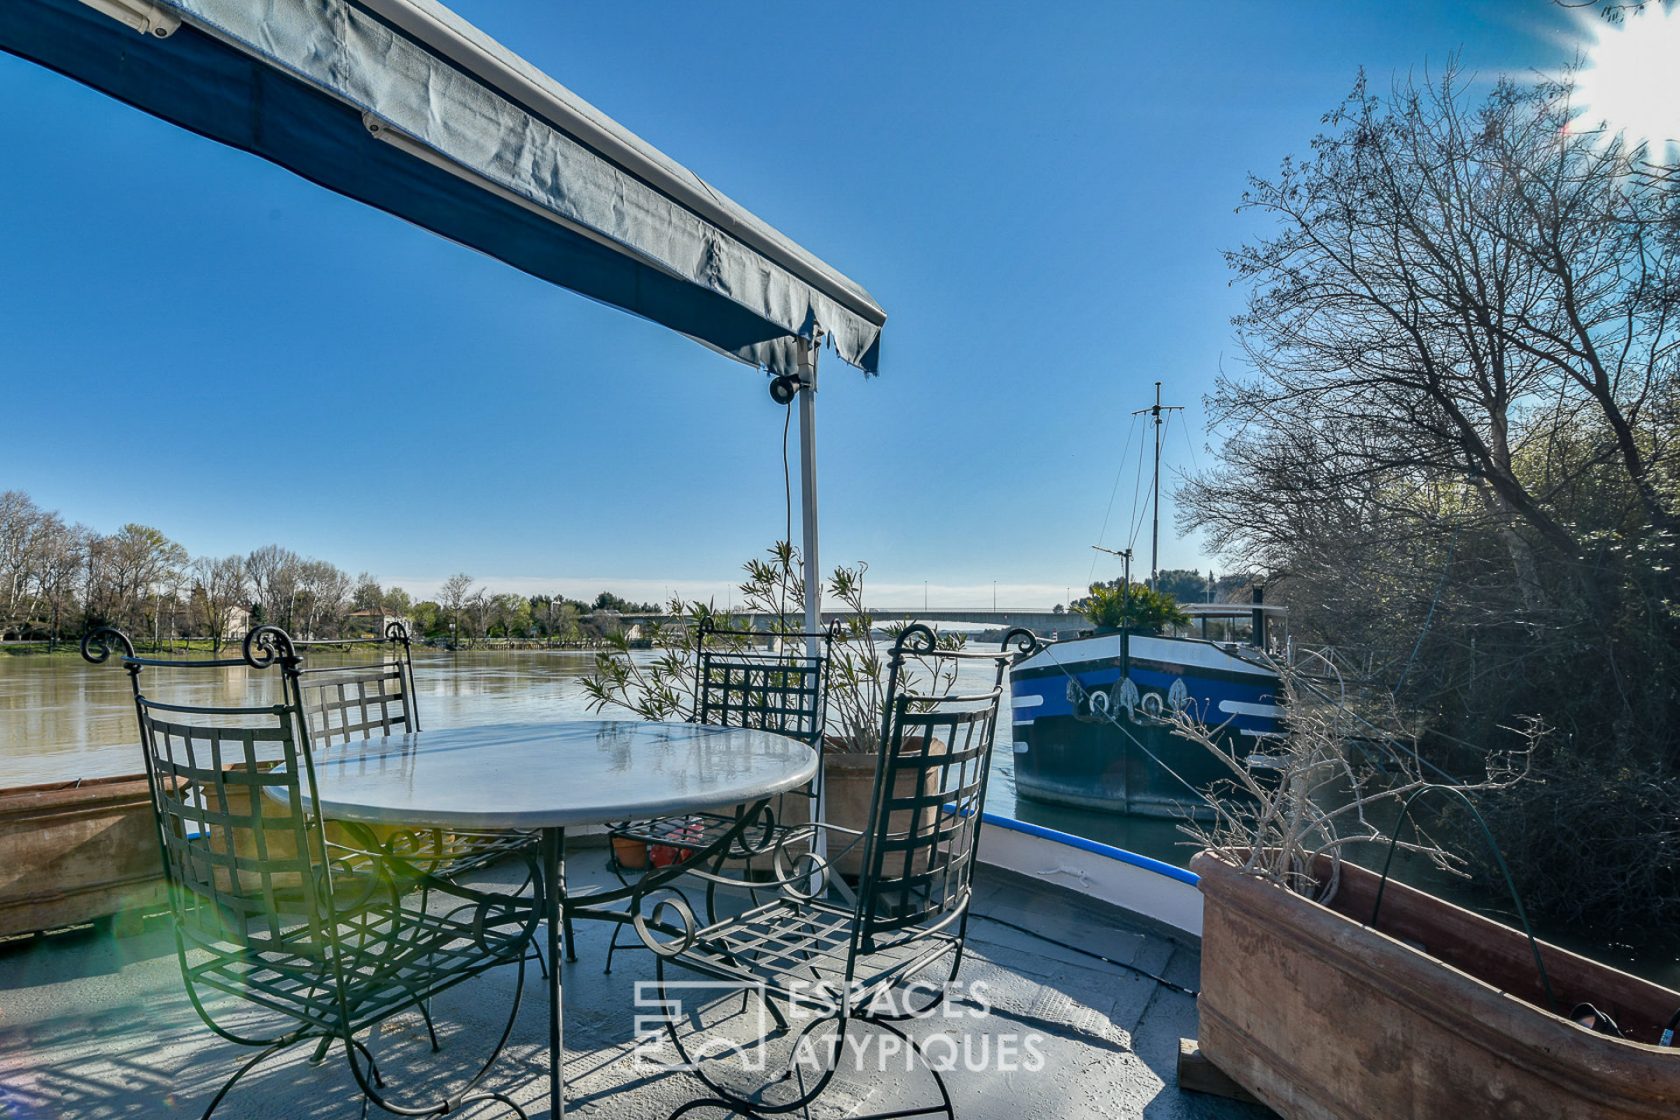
(1044, 623)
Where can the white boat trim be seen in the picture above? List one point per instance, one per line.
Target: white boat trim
(1081, 653)
(1243, 708)
(1158, 891)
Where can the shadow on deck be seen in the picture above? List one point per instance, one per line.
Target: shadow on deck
(94, 1025)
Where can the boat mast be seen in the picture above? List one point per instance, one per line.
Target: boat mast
(1155, 411)
(1125, 554)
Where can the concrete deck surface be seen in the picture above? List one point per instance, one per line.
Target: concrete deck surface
(96, 1025)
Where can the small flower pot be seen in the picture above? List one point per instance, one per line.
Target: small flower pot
(630, 854)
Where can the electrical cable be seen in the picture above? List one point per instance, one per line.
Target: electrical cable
(1161, 980)
(787, 497)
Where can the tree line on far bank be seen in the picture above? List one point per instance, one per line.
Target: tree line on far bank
(58, 579)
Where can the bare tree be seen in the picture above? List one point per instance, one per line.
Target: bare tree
(453, 597)
(133, 569)
(61, 558)
(221, 589)
(274, 572)
(368, 595)
(1456, 448)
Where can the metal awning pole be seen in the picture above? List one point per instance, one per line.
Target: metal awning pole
(808, 491)
(813, 572)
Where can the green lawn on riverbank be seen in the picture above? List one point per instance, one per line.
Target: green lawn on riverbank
(71, 647)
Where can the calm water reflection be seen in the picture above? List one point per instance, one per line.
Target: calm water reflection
(61, 718)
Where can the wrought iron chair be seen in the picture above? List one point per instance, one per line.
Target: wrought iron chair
(345, 702)
(843, 964)
(782, 689)
(271, 911)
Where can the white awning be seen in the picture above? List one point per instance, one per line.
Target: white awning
(402, 105)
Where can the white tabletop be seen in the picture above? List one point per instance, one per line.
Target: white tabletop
(535, 775)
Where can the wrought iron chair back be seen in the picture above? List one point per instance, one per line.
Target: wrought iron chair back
(243, 856)
(784, 690)
(271, 909)
(359, 701)
(930, 784)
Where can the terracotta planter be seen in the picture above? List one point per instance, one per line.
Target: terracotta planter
(1440, 1014)
(76, 851)
(849, 792)
(630, 855)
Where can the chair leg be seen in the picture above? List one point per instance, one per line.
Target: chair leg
(736, 1106)
(426, 1014)
(261, 1056)
(612, 947)
(730, 1099)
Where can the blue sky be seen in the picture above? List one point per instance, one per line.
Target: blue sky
(1038, 195)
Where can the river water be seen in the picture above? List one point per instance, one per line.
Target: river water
(61, 718)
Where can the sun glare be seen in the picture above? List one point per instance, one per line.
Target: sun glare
(1630, 86)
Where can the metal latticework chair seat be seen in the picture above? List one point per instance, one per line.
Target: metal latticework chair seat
(385, 958)
(866, 961)
(797, 950)
(693, 832)
(781, 689)
(468, 851)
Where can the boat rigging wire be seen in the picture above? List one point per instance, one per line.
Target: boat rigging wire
(1189, 443)
(1137, 484)
(1429, 618)
(1119, 470)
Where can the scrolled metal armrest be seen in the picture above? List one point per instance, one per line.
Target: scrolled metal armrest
(807, 874)
(686, 929)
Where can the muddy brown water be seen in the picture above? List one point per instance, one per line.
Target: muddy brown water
(61, 718)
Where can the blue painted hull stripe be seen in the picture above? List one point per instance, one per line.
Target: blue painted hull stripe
(1107, 851)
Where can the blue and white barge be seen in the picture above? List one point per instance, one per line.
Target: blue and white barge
(1092, 724)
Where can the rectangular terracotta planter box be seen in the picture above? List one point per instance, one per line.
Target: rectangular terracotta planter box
(1439, 1013)
(71, 852)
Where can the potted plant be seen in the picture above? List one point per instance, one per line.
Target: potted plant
(1137, 609)
(662, 687)
(857, 699)
(1329, 992)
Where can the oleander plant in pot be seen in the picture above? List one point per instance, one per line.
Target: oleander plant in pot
(1329, 991)
(660, 686)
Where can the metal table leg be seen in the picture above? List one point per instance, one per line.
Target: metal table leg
(554, 885)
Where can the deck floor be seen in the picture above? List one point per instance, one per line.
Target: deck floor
(98, 1025)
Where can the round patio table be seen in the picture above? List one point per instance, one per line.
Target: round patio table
(547, 776)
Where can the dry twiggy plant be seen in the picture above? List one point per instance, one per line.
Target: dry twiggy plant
(1324, 786)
